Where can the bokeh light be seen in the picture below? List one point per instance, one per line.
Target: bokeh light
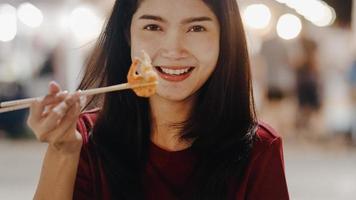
(30, 15)
(85, 24)
(8, 23)
(317, 12)
(289, 26)
(257, 16)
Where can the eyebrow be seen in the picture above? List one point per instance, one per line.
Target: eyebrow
(186, 21)
(196, 19)
(152, 17)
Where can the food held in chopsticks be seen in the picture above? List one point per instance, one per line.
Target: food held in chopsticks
(146, 75)
(144, 85)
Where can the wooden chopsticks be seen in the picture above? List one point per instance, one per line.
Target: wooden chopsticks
(8, 106)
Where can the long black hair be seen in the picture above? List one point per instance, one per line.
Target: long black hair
(222, 122)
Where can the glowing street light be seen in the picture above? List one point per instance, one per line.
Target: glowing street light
(326, 18)
(257, 16)
(85, 24)
(8, 23)
(316, 11)
(30, 15)
(289, 26)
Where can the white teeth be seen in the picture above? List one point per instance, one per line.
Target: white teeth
(174, 72)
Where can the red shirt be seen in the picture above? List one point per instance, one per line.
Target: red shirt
(264, 178)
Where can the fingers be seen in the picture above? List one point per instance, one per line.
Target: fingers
(50, 101)
(37, 109)
(66, 132)
(54, 95)
(53, 118)
(56, 114)
(67, 125)
(53, 88)
(83, 100)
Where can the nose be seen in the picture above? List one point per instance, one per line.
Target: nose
(173, 46)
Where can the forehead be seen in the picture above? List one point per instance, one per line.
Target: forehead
(174, 9)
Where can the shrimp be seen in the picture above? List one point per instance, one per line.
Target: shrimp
(146, 74)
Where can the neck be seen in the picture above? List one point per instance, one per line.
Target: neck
(165, 115)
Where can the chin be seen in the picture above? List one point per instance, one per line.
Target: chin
(173, 97)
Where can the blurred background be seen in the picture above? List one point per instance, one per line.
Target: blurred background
(303, 58)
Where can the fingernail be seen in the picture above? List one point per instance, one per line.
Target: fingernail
(62, 94)
(51, 82)
(83, 101)
(58, 110)
(39, 99)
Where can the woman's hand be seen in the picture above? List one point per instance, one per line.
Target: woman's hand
(53, 120)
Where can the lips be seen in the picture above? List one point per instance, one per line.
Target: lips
(174, 73)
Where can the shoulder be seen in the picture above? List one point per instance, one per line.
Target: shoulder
(266, 140)
(266, 135)
(264, 176)
(86, 122)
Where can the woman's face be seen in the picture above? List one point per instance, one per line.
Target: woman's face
(182, 39)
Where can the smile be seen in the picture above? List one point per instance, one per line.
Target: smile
(175, 74)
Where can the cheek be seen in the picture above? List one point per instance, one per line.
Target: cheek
(205, 49)
(140, 41)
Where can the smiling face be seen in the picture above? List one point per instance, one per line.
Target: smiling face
(182, 39)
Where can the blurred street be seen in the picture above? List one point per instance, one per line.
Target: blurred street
(314, 172)
(20, 168)
(320, 172)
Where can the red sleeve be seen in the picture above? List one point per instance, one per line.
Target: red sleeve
(267, 179)
(83, 188)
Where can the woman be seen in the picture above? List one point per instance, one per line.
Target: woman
(196, 138)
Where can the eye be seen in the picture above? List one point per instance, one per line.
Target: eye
(152, 27)
(197, 29)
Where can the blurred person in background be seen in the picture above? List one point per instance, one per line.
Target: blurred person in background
(196, 138)
(308, 87)
(335, 55)
(12, 123)
(280, 83)
(279, 72)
